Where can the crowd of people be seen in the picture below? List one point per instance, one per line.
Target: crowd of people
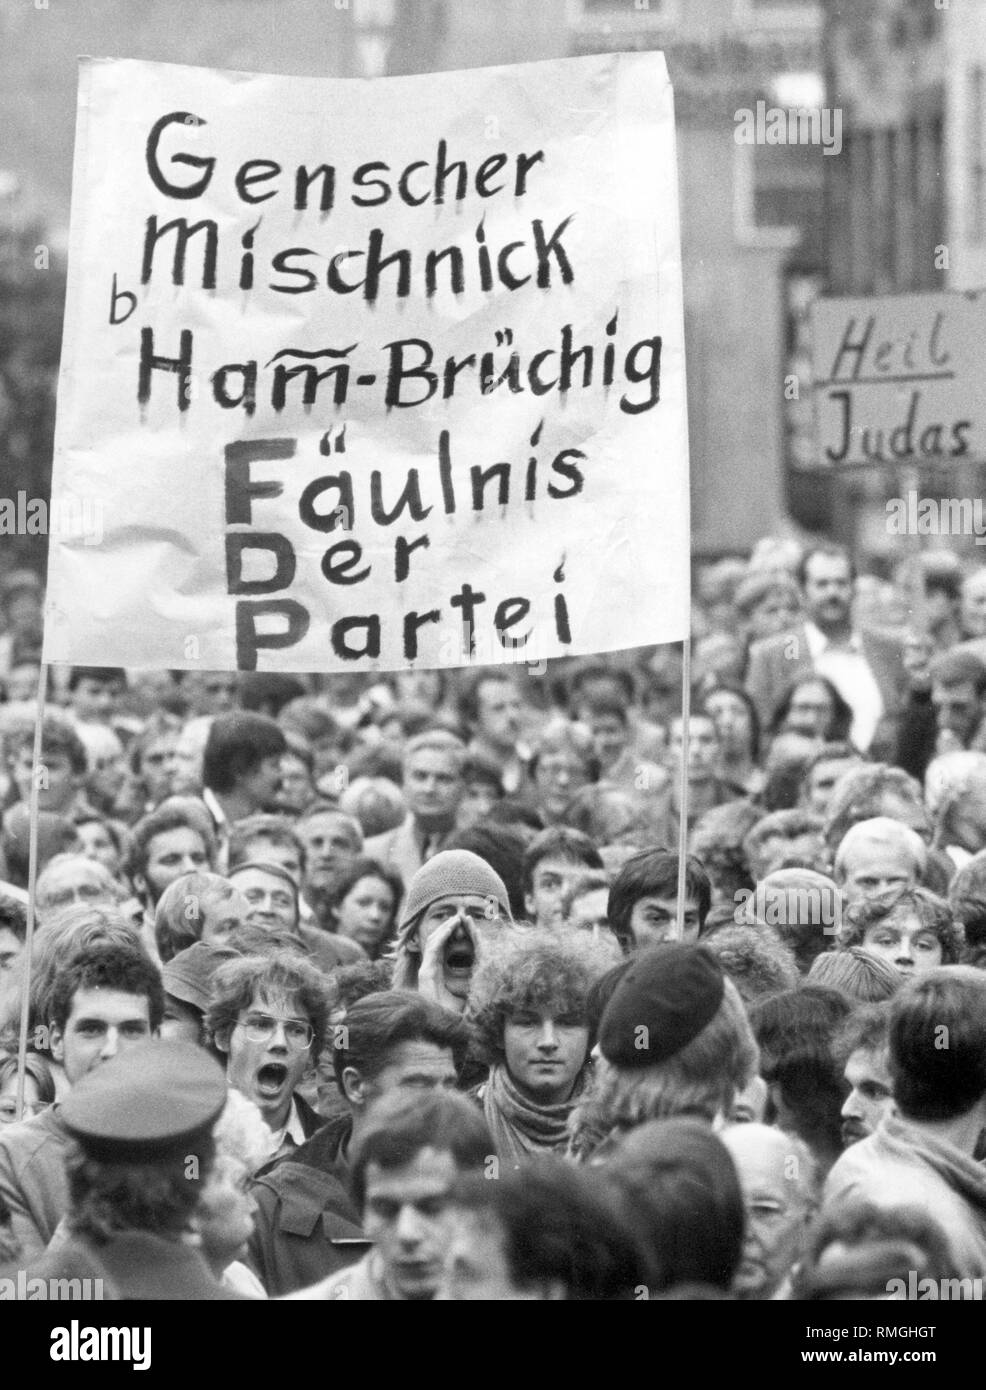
(376, 986)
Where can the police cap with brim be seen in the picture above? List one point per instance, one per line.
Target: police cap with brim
(150, 1103)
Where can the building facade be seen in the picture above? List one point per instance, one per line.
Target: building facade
(906, 202)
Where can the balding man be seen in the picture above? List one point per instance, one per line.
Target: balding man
(779, 1180)
(877, 855)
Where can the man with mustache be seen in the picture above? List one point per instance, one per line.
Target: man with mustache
(866, 667)
(924, 1153)
(863, 1043)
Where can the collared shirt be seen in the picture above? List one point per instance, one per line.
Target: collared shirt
(959, 856)
(292, 1134)
(851, 674)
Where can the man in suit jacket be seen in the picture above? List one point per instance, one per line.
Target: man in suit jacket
(865, 667)
(433, 789)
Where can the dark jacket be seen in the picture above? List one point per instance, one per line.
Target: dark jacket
(916, 734)
(311, 1120)
(306, 1224)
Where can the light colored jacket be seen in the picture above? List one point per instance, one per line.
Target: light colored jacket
(360, 1283)
(33, 1181)
(901, 1165)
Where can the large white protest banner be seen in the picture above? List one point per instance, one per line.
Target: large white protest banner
(360, 375)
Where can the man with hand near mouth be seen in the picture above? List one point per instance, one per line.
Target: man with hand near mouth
(269, 1015)
(453, 901)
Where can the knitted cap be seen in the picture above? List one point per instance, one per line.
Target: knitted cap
(451, 873)
(663, 1001)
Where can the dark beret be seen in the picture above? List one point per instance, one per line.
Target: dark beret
(149, 1103)
(663, 1001)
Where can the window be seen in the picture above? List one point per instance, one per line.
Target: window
(623, 14)
(780, 13)
(779, 191)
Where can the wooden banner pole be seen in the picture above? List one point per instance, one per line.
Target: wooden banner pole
(32, 874)
(686, 701)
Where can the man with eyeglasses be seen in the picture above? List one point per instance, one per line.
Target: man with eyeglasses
(779, 1180)
(269, 1015)
(103, 1003)
(390, 1044)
